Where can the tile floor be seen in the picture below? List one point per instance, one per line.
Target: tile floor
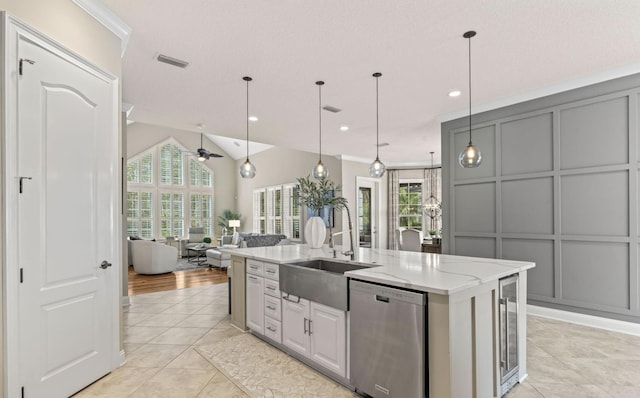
(162, 329)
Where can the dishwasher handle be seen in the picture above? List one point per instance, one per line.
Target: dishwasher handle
(384, 299)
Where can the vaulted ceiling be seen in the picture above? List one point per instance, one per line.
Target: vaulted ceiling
(523, 49)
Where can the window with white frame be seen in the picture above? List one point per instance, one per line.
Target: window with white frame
(180, 194)
(410, 213)
(276, 210)
(260, 211)
(140, 214)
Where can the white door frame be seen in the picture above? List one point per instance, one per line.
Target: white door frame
(376, 196)
(11, 30)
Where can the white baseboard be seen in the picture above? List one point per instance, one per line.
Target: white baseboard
(587, 320)
(123, 358)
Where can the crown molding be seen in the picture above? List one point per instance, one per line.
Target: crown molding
(98, 10)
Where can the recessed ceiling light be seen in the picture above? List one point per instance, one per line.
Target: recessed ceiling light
(454, 93)
(344, 128)
(253, 118)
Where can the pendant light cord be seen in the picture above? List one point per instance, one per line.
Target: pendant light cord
(377, 120)
(470, 89)
(247, 119)
(320, 117)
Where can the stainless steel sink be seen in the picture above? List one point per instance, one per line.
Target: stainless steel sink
(330, 266)
(321, 281)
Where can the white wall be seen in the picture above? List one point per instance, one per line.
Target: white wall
(277, 166)
(141, 136)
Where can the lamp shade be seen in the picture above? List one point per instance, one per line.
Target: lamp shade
(234, 223)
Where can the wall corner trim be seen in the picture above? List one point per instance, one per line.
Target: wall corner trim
(109, 19)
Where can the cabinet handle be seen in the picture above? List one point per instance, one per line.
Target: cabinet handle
(271, 271)
(310, 322)
(271, 288)
(271, 308)
(271, 329)
(305, 325)
(253, 278)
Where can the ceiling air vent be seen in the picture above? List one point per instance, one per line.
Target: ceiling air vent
(172, 61)
(331, 109)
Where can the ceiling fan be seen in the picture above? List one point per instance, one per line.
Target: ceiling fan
(204, 154)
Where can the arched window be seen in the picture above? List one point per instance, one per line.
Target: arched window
(167, 191)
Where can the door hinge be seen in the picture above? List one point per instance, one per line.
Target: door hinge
(22, 60)
(21, 277)
(23, 178)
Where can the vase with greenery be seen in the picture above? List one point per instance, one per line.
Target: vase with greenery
(223, 220)
(317, 195)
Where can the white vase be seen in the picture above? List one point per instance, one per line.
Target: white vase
(315, 232)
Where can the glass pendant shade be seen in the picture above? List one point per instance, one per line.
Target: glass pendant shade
(320, 171)
(471, 157)
(377, 169)
(247, 170)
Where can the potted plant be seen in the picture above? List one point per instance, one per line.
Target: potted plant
(318, 195)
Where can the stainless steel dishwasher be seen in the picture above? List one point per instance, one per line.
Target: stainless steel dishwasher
(388, 341)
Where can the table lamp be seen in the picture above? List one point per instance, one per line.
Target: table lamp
(234, 224)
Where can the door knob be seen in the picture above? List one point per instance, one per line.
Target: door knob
(105, 264)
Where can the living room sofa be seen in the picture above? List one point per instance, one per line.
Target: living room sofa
(216, 258)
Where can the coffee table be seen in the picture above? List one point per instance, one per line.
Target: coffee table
(199, 249)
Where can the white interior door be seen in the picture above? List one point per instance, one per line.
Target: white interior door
(65, 222)
(367, 219)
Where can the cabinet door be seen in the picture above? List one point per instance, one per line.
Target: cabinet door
(327, 332)
(295, 322)
(255, 303)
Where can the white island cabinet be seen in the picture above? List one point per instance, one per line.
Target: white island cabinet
(315, 331)
(463, 313)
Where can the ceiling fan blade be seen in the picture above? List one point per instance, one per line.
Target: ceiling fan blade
(215, 155)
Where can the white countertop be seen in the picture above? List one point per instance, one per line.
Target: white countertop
(427, 272)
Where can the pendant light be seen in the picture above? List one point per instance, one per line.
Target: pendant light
(377, 168)
(320, 171)
(247, 170)
(471, 157)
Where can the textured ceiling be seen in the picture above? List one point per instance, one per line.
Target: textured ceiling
(523, 48)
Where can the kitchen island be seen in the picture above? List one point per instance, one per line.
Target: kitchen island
(463, 311)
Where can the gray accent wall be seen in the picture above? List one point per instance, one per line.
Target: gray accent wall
(558, 185)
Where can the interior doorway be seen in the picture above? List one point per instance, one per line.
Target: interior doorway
(367, 192)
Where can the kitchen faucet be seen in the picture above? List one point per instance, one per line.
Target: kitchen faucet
(351, 252)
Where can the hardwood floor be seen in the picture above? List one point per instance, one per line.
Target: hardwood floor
(139, 284)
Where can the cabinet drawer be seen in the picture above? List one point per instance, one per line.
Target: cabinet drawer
(272, 307)
(271, 271)
(272, 288)
(255, 267)
(273, 329)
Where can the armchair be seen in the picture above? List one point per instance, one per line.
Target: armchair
(152, 257)
(196, 235)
